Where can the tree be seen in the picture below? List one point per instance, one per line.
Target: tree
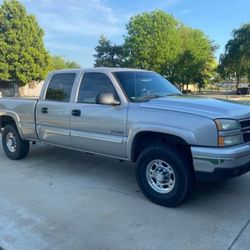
(235, 62)
(196, 63)
(108, 55)
(23, 57)
(58, 62)
(159, 42)
(153, 41)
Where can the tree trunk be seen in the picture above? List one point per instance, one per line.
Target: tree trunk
(182, 87)
(238, 80)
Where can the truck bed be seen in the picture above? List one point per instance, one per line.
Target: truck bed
(23, 111)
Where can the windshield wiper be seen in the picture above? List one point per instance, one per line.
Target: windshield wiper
(175, 94)
(147, 97)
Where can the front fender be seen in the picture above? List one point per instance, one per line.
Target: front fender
(186, 135)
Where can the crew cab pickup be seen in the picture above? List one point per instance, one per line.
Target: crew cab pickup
(137, 116)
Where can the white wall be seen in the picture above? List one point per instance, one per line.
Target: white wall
(32, 89)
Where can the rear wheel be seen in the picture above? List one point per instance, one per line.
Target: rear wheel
(14, 147)
(164, 175)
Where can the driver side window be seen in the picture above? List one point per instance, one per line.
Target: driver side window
(92, 85)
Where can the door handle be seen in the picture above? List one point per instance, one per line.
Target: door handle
(44, 110)
(76, 112)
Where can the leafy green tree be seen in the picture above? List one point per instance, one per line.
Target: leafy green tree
(153, 41)
(196, 63)
(23, 56)
(58, 62)
(157, 41)
(109, 55)
(72, 65)
(235, 62)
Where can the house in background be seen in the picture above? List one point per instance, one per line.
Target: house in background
(10, 89)
(32, 89)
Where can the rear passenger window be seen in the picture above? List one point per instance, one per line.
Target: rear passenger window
(60, 87)
(93, 84)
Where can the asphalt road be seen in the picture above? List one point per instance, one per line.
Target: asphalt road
(61, 199)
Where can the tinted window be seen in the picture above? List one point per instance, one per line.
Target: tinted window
(60, 87)
(93, 84)
(141, 86)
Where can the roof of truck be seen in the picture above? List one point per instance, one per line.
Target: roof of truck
(97, 69)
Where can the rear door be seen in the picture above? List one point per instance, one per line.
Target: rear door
(95, 127)
(53, 112)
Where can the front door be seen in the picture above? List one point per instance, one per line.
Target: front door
(95, 127)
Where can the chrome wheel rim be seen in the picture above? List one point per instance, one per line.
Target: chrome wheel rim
(160, 176)
(11, 142)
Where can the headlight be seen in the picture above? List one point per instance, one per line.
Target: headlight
(227, 124)
(225, 141)
(225, 138)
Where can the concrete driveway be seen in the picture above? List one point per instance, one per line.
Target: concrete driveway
(61, 199)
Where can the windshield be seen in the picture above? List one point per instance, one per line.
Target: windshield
(143, 86)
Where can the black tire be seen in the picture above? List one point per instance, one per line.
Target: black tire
(20, 148)
(179, 165)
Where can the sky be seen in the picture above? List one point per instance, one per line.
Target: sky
(73, 27)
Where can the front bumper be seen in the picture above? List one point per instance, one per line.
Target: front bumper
(212, 164)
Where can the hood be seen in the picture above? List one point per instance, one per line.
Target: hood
(202, 106)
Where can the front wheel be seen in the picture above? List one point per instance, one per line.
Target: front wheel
(164, 176)
(14, 147)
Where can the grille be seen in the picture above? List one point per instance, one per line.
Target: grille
(246, 137)
(245, 124)
(245, 128)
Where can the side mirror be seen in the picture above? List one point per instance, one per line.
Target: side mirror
(107, 99)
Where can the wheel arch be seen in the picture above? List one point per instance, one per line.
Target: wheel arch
(144, 139)
(7, 118)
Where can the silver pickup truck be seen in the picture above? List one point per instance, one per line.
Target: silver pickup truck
(137, 116)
